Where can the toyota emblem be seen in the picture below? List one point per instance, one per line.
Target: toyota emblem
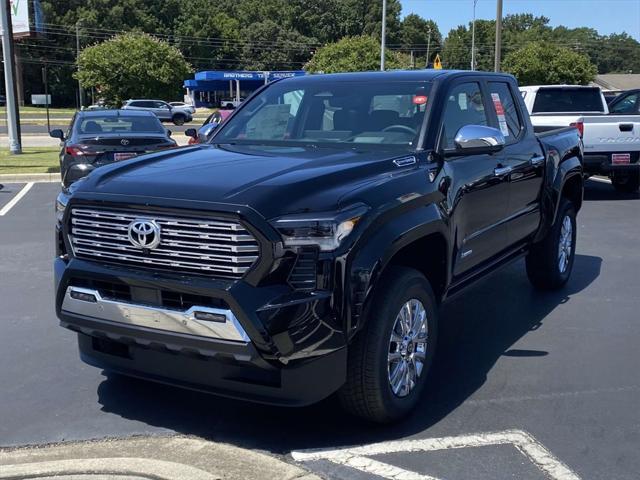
(144, 233)
(124, 142)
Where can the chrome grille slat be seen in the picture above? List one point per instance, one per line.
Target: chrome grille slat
(190, 245)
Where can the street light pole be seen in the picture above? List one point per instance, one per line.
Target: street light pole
(383, 41)
(428, 48)
(473, 37)
(498, 37)
(13, 125)
(80, 90)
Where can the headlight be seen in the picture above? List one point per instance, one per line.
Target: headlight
(324, 230)
(61, 205)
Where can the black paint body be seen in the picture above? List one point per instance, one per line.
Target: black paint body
(449, 204)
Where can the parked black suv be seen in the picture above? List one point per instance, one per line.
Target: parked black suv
(305, 250)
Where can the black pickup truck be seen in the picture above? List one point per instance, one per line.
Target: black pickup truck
(305, 249)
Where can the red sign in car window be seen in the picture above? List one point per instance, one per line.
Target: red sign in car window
(420, 99)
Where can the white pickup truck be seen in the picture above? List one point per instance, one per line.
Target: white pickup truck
(611, 142)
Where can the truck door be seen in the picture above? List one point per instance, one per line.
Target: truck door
(478, 194)
(523, 157)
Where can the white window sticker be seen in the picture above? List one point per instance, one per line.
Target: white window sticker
(502, 120)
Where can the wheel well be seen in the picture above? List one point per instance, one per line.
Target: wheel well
(429, 256)
(572, 190)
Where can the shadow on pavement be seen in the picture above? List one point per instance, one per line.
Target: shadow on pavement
(477, 329)
(598, 191)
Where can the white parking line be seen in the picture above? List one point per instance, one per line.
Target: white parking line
(16, 199)
(356, 457)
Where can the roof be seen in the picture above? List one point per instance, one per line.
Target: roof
(618, 81)
(116, 112)
(535, 88)
(393, 75)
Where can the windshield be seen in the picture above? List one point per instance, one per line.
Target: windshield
(331, 112)
(97, 124)
(552, 100)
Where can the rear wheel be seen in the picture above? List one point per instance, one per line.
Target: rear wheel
(626, 184)
(550, 261)
(390, 358)
(179, 119)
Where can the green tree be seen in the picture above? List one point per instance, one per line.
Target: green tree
(540, 63)
(132, 65)
(414, 36)
(354, 54)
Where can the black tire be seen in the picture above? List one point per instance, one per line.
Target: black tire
(626, 184)
(179, 119)
(367, 392)
(543, 261)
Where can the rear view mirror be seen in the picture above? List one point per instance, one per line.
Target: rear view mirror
(479, 138)
(57, 133)
(191, 132)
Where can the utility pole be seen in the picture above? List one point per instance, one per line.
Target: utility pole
(383, 41)
(498, 37)
(80, 90)
(428, 48)
(45, 80)
(473, 37)
(13, 118)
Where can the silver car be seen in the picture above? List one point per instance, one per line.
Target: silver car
(164, 111)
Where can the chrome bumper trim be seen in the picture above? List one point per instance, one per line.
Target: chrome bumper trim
(183, 322)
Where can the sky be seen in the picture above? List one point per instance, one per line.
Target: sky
(606, 16)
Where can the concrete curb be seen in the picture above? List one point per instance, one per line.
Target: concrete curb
(161, 458)
(29, 177)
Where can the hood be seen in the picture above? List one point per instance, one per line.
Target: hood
(272, 180)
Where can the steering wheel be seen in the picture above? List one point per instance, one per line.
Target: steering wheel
(402, 128)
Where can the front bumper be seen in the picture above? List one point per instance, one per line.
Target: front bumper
(264, 344)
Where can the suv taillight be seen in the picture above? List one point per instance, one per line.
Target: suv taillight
(579, 126)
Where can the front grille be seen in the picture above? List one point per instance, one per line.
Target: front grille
(214, 246)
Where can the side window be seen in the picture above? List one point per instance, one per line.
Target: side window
(135, 104)
(464, 106)
(505, 107)
(627, 105)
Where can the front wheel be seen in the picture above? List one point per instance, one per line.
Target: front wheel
(626, 184)
(179, 120)
(550, 262)
(390, 358)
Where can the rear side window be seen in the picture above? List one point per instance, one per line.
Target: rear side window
(505, 107)
(570, 100)
(627, 105)
(465, 106)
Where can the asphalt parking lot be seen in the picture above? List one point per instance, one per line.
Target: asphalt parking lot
(527, 385)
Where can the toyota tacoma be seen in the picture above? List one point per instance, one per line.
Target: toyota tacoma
(305, 249)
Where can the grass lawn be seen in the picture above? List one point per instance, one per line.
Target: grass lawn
(41, 110)
(32, 160)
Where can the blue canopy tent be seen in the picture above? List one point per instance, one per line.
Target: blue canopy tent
(209, 87)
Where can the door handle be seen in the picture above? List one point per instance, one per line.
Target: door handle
(537, 160)
(502, 171)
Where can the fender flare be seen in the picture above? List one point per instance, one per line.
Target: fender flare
(377, 249)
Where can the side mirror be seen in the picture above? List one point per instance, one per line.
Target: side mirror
(479, 138)
(57, 133)
(206, 130)
(191, 132)
(169, 133)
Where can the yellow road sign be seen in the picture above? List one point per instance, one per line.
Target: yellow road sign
(437, 63)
